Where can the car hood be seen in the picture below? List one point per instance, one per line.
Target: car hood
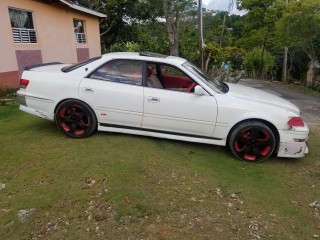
(256, 95)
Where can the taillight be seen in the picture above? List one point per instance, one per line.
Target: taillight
(296, 122)
(24, 83)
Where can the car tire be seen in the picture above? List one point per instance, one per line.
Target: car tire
(252, 141)
(75, 119)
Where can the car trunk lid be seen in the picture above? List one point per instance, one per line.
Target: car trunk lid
(46, 67)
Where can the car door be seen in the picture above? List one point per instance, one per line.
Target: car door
(174, 110)
(115, 92)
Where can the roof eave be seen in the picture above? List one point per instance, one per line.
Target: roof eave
(82, 9)
(88, 11)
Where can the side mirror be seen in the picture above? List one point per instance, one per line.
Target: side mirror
(198, 90)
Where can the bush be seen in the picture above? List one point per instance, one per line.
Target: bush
(258, 64)
(125, 47)
(235, 56)
(8, 92)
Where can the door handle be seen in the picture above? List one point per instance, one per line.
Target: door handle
(153, 99)
(87, 90)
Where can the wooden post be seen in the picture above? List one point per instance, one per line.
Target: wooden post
(201, 42)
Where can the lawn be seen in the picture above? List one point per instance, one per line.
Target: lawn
(116, 186)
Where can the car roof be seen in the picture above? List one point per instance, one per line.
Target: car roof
(145, 56)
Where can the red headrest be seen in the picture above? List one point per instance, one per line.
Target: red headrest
(149, 71)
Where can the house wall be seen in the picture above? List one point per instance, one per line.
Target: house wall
(55, 36)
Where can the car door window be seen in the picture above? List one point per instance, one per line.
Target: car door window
(121, 71)
(168, 77)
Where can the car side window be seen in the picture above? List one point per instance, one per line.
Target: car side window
(168, 77)
(121, 71)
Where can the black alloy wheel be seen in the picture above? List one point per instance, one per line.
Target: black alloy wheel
(75, 119)
(252, 141)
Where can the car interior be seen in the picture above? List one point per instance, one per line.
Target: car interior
(159, 75)
(168, 77)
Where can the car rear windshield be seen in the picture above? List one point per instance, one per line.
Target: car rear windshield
(80, 64)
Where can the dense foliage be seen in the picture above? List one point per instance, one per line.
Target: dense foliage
(254, 41)
(299, 29)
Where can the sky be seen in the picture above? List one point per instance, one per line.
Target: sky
(220, 5)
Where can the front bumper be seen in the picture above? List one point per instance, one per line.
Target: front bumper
(293, 143)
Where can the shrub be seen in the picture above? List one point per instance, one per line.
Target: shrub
(258, 63)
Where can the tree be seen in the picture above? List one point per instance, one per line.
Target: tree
(189, 37)
(257, 67)
(299, 27)
(172, 11)
(121, 15)
(213, 53)
(213, 24)
(235, 56)
(260, 24)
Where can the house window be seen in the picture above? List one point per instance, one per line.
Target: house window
(22, 26)
(79, 31)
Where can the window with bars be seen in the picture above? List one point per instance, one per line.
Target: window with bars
(79, 31)
(22, 25)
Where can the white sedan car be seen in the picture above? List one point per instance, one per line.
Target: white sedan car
(162, 96)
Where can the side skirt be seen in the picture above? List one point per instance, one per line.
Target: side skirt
(161, 134)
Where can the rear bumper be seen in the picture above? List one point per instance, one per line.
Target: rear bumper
(35, 105)
(293, 144)
(21, 99)
(37, 113)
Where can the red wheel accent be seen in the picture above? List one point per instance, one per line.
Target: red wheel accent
(75, 119)
(189, 89)
(252, 141)
(238, 148)
(79, 132)
(267, 136)
(249, 157)
(85, 123)
(247, 133)
(266, 151)
(65, 127)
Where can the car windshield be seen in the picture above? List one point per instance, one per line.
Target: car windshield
(206, 79)
(77, 65)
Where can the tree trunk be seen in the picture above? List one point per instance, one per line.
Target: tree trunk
(260, 70)
(285, 65)
(261, 65)
(313, 71)
(173, 38)
(172, 21)
(207, 62)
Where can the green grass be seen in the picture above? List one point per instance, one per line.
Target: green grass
(116, 186)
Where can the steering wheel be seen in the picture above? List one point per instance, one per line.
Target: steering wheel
(191, 87)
